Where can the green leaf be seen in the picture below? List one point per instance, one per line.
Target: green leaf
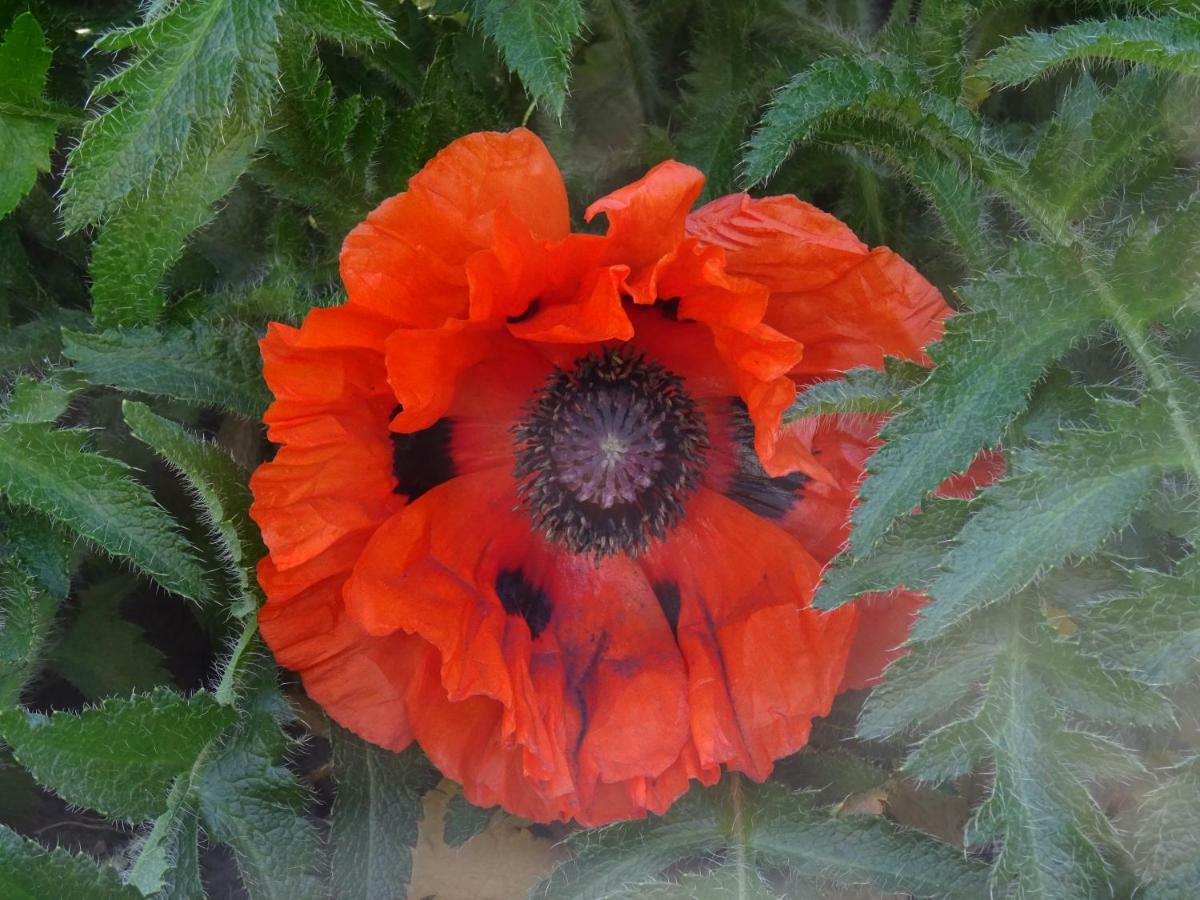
(50, 471)
(1099, 141)
(220, 489)
(375, 816)
(723, 91)
(1169, 42)
(1054, 834)
(27, 126)
(46, 400)
(30, 872)
(861, 391)
(1154, 631)
(120, 757)
(787, 830)
(907, 556)
(605, 860)
(1165, 841)
(322, 149)
(535, 37)
(145, 236)
(1063, 501)
(26, 614)
(1016, 682)
(43, 550)
(1156, 270)
(103, 654)
(986, 365)
(886, 91)
(464, 820)
(206, 364)
(166, 859)
(757, 829)
(352, 21)
(38, 339)
(925, 686)
(197, 66)
(257, 808)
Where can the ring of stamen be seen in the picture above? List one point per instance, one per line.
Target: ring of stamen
(609, 453)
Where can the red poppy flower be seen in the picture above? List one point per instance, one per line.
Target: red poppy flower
(534, 505)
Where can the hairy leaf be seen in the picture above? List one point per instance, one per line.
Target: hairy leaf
(535, 37)
(1154, 631)
(1165, 841)
(464, 820)
(868, 391)
(788, 831)
(26, 614)
(31, 872)
(41, 401)
(257, 808)
(1098, 142)
(884, 91)
(119, 757)
(50, 471)
(220, 488)
(198, 66)
(1170, 42)
(1054, 834)
(359, 21)
(27, 125)
(375, 816)
(1063, 501)
(908, 556)
(208, 364)
(985, 369)
(145, 236)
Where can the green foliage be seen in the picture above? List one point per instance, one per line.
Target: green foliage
(27, 614)
(464, 820)
(221, 493)
(206, 364)
(197, 68)
(1169, 42)
(30, 872)
(341, 20)
(375, 815)
(145, 236)
(763, 834)
(119, 757)
(49, 470)
(103, 654)
(27, 124)
(535, 37)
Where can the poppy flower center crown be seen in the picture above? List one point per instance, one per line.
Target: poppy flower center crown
(609, 453)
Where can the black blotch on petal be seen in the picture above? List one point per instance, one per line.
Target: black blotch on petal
(422, 460)
(667, 593)
(669, 308)
(520, 598)
(530, 311)
(768, 497)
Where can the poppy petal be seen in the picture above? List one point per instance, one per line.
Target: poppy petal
(406, 260)
(761, 663)
(646, 218)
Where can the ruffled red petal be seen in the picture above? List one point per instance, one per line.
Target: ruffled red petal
(646, 218)
(761, 664)
(848, 306)
(406, 261)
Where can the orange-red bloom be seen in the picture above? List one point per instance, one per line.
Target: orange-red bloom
(534, 505)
